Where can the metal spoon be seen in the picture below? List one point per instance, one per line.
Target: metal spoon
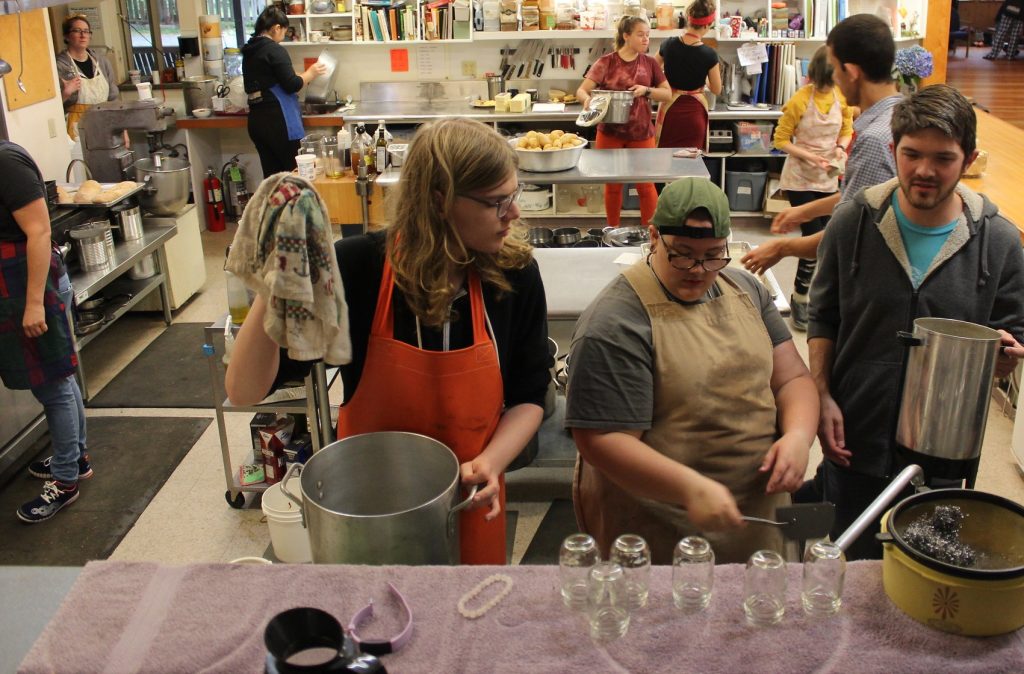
(21, 51)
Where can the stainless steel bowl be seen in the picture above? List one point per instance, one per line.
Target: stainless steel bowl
(167, 187)
(548, 161)
(567, 236)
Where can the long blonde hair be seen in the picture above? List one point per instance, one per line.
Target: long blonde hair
(447, 158)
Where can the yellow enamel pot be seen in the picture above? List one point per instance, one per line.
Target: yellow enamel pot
(983, 599)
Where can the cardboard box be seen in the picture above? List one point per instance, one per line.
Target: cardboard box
(260, 421)
(777, 200)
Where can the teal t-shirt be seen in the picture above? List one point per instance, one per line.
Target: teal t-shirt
(922, 243)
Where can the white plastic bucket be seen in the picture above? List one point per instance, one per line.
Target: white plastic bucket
(209, 25)
(289, 538)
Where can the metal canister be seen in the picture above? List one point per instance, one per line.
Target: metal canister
(495, 85)
(95, 244)
(128, 218)
(143, 269)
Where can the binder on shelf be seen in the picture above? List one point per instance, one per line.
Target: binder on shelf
(461, 18)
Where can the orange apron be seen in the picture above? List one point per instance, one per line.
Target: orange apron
(455, 397)
(663, 109)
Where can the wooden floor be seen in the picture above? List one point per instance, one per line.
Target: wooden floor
(995, 85)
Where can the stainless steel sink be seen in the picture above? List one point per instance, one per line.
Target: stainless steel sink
(320, 108)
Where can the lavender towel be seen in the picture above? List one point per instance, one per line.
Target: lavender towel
(145, 617)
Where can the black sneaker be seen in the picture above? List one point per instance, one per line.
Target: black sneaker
(54, 497)
(41, 469)
(798, 314)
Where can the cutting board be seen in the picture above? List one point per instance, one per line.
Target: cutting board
(38, 76)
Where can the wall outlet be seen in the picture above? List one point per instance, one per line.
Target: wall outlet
(469, 68)
(51, 126)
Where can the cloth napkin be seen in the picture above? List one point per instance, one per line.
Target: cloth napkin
(146, 617)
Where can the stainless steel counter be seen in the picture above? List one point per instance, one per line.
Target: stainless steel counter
(605, 166)
(573, 277)
(415, 112)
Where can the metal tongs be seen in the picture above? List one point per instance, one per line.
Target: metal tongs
(801, 521)
(594, 112)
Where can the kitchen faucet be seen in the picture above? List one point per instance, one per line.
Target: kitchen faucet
(71, 165)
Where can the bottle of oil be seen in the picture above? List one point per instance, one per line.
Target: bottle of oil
(238, 295)
(381, 158)
(356, 152)
(369, 156)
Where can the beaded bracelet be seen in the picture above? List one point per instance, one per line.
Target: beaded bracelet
(469, 596)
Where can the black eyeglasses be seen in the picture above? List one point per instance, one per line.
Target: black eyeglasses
(81, 31)
(502, 205)
(686, 263)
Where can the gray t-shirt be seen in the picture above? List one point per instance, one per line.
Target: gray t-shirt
(611, 360)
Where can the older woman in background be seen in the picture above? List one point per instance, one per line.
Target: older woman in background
(86, 79)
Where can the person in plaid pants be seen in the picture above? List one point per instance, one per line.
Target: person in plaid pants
(1008, 26)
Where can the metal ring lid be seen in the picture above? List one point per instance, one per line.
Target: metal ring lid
(89, 229)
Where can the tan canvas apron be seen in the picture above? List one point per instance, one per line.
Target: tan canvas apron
(714, 411)
(816, 133)
(94, 90)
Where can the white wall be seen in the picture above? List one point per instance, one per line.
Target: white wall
(39, 128)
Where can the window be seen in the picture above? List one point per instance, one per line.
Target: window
(237, 18)
(147, 18)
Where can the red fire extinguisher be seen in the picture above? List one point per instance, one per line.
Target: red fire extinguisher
(214, 202)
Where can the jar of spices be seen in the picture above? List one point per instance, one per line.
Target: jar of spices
(296, 6)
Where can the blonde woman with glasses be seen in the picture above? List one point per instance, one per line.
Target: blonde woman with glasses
(86, 79)
(447, 317)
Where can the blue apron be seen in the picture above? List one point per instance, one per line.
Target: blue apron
(292, 112)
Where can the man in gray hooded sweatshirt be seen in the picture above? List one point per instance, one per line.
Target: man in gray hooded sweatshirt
(921, 244)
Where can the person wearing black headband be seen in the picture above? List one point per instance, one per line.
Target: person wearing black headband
(686, 397)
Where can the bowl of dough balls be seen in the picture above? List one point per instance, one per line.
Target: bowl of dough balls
(547, 152)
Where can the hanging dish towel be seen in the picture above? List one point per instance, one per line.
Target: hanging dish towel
(283, 251)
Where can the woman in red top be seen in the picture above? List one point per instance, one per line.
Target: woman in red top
(689, 65)
(628, 68)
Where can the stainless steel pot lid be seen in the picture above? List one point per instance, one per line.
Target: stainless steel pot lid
(963, 532)
(89, 230)
(626, 236)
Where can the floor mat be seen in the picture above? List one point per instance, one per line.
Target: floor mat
(171, 372)
(559, 522)
(132, 458)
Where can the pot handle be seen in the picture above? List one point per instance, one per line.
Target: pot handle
(906, 476)
(908, 339)
(455, 511)
(294, 468)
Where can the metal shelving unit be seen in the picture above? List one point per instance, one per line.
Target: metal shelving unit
(126, 255)
(316, 407)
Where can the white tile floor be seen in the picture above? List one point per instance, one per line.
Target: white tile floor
(189, 520)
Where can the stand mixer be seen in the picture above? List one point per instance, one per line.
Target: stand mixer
(101, 130)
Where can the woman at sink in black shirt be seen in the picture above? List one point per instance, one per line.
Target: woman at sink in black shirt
(275, 118)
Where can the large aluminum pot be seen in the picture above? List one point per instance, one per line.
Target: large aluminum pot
(620, 103)
(199, 91)
(381, 498)
(946, 389)
(980, 593)
(167, 187)
(548, 161)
